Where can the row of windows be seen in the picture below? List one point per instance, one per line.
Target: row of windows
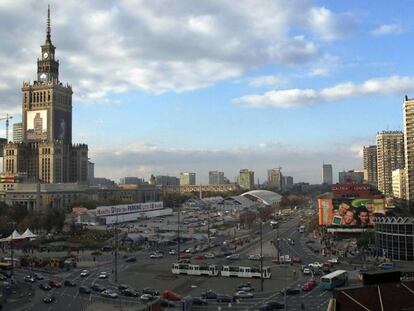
(10, 152)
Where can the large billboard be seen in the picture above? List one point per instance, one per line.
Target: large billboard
(36, 125)
(349, 212)
(62, 125)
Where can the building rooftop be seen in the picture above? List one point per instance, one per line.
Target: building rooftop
(263, 196)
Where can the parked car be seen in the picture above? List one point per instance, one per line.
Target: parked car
(198, 301)
(271, 305)
(150, 291)
(29, 278)
(55, 284)
(224, 298)
(44, 286)
(209, 255)
(200, 257)
(156, 255)
(146, 297)
(315, 265)
(84, 290)
(386, 265)
(128, 292)
(69, 283)
(255, 257)
(109, 294)
(84, 273)
(103, 275)
(172, 252)
(233, 257)
(328, 264)
(171, 296)
(243, 294)
(309, 285)
(296, 260)
(38, 277)
(49, 298)
(185, 256)
(307, 271)
(122, 286)
(290, 291)
(131, 259)
(98, 288)
(209, 295)
(333, 260)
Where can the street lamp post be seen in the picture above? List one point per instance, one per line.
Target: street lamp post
(116, 248)
(13, 223)
(261, 256)
(178, 231)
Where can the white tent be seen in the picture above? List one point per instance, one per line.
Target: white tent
(14, 236)
(28, 234)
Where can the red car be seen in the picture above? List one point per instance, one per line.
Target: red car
(200, 257)
(55, 284)
(296, 260)
(328, 264)
(171, 296)
(185, 256)
(309, 285)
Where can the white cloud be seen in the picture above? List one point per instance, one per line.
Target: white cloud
(324, 66)
(301, 97)
(387, 29)
(157, 46)
(275, 81)
(329, 25)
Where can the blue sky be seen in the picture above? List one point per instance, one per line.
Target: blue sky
(169, 86)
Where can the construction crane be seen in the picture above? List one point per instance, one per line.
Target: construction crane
(7, 118)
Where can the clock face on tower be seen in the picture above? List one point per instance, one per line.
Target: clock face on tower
(45, 55)
(43, 77)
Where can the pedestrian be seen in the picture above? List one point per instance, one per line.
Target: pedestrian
(302, 306)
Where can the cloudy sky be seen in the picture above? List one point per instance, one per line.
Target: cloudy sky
(167, 86)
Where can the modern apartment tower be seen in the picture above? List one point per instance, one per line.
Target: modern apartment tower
(216, 178)
(18, 132)
(275, 178)
(390, 156)
(187, 179)
(370, 164)
(327, 174)
(46, 153)
(408, 109)
(246, 179)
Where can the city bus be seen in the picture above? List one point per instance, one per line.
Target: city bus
(334, 279)
(189, 269)
(245, 272)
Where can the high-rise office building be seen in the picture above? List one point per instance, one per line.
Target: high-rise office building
(216, 178)
(275, 178)
(327, 174)
(187, 179)
(370, 164)
(288, 181)
(399, 183)
(18, 132)
(131, 181)
(408, 109)
(246, 179)
(390, 156)
(91, 172)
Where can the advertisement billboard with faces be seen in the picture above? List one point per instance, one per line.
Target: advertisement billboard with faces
(62, 127)
(36, 125)
(349, 212)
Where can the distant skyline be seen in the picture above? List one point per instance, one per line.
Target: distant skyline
(162, 87)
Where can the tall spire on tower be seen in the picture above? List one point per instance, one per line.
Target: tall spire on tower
(48, 25)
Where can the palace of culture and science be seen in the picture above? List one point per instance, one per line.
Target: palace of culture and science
(46, 153)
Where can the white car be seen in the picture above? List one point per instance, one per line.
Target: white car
(156, 255)
(254, 257)
(172, 252)
(103, 275)
(84, 273)
(333, 260)
(306, 271)
(209, 255)
(243, 294)
(146, 297)
(109, 294)
(316, 265)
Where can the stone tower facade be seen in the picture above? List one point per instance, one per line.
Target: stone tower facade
(46, 152)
